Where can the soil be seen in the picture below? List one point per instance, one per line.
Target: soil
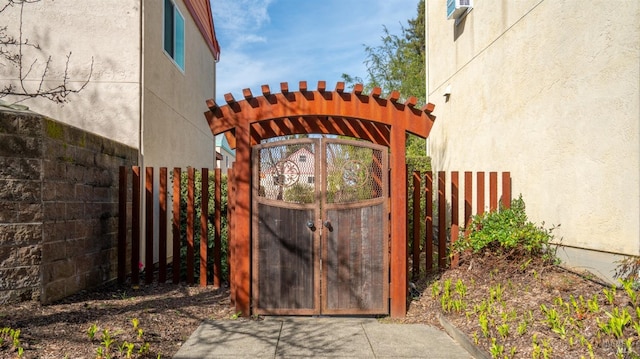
(168, 314)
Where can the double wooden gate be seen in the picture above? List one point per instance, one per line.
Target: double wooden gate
(320, 238)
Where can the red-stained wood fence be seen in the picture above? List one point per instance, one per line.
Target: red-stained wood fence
(130, 198)
(446, 201)
(449, 222)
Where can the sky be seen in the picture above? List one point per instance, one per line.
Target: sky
(274, 41)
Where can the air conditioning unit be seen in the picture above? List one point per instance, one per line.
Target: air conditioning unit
(456, 8)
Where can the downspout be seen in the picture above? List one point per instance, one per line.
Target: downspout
(426, 65)
(141, 89)
(142, 213)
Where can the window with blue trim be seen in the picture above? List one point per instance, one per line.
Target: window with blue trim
(174, 33)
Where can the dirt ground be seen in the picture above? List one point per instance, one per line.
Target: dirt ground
(167, 314)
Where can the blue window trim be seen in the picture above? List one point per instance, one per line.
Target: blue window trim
(173, 33)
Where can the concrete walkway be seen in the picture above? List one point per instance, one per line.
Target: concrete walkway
(306, 337)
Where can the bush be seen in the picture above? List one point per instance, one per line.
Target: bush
(508, 232)
(196, 230)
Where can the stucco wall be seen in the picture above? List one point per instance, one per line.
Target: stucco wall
(175, 130)
(105, 30)
(548, 90)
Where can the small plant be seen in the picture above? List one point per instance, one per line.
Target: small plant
(13, 336)
(108, 340)
(629, 287)
(610, 294)
(508, 231)
(503, 330)
(496, 293)
(593, 304)
(496, 349)
(435, 290)
(461, 289)
(618, 320)
(91, 332)
(522, 327)
(484, 324)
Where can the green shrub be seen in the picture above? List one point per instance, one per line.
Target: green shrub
(508, 231)
(210, 221)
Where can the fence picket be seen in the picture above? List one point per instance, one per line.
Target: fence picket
(429, 221)
(493, 191)
(217, 239)
(468, 200)
(480, 187)
(454, 215)
(416, 224)
(231, 204)
(122, 224)
(190, 222)
(162, 224)
(204, 230)
(177, 175)
(506, 190)
(442, 222)
(148, 243)
(135, 227)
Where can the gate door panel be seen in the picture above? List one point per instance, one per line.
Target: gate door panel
(286, 243)
(355, 233)
(320, 227)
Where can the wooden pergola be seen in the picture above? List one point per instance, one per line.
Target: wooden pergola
(384, 121)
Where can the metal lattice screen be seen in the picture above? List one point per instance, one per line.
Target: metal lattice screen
(353, 173)
(287, 173)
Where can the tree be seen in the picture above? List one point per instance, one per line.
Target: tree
(14, 46)
(399, 64)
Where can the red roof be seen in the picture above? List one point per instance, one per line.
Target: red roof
(201, 13)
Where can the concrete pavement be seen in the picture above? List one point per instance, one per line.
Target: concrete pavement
(306, 337)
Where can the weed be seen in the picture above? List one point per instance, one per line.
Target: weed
(13, 336)
(593, 304)
(503, 330)
(610, 294)
(522, 327)
(126, 348)
(484, 324)
(496, 349)
(435, 290)
(618, 320)
(91, 332)
(461, 289)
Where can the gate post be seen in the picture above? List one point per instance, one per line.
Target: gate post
(242, 218)
(398, 288)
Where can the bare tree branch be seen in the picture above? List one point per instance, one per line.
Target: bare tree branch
(11, 49)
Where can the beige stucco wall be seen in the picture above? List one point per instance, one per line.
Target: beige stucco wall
(105, 30)
(175, 130)
(549, 90)
(142, 101)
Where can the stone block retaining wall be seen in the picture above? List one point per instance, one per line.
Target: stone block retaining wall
(58, 207)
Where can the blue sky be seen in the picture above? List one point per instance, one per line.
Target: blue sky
(273, 41)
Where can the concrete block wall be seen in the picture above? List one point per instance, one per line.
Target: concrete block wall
(58, 207)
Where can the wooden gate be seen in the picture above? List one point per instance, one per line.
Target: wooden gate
(320, 227)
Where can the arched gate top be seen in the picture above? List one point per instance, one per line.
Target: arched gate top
(306, 111)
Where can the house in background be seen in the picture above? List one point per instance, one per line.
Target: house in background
(154, 66)
(225, 155)
(549, 90)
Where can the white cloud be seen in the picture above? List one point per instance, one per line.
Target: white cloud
(240, 15)
(273, 41)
